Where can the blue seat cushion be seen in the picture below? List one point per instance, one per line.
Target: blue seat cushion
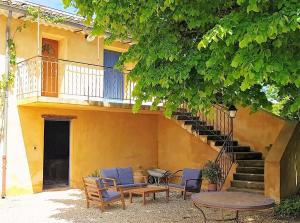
(191, 174)
(176, 185)
(112, 195)
(110, 173)
(132, 185)
(101, 186)
(125, 175)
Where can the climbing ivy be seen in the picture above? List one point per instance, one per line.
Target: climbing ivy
(203, 52)
(36, 13)
(4, 83)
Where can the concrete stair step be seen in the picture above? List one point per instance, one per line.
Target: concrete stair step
(182, 113)
(221, 142)
(216, 137)
(208, 132)
(202, 127)
(248, 184)
(186, 117)
(247, 155)
(255, 170)
(238, 149)
(249, 177)
(251, 163)
(246, 190)
(194, 122)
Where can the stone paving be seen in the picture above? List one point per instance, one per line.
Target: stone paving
(69, 207)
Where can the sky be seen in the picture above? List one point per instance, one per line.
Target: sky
(56, 4)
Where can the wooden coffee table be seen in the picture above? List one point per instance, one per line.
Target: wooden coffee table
(145, 191)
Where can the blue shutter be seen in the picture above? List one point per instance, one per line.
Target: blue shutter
(113, 79)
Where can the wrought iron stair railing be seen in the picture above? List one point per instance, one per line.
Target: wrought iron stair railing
(218, 126)
(225, 159)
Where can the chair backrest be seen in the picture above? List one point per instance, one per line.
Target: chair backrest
(192, 174)
(110, 173)
(92, 186)
(125, 175)
(91, 189)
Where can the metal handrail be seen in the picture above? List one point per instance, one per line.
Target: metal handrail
(72, 78)
(68, 61)
(225, 159)
(222, 122)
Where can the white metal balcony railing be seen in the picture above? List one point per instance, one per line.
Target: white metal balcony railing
(41, 76)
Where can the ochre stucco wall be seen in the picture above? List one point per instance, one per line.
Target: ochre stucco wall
(98, 140)
(282, 164)
(259, 129)
(72, 46)
(290, 166)
(178, 149)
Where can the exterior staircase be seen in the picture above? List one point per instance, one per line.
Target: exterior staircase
(249, 176)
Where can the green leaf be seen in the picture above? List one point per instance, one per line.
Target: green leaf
(252, 6)
(237, 60)
(277, 43)
(260, 39)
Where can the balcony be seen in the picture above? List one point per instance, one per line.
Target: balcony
(41, 79)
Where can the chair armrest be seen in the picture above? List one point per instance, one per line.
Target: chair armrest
(102, 189)
(173, 175)
(110, 179)
(186, 181)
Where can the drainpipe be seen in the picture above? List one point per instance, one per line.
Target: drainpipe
(38, 34)
(5, 106)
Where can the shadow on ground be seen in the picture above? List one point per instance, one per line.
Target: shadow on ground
(73, 209)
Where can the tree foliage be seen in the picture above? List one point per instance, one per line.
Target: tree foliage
(201, 52)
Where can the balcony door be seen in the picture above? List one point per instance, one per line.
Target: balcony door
(113, 79)
(50, 68)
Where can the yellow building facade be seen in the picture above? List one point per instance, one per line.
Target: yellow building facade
(103, 131)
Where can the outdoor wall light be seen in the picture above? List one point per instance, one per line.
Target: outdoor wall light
(90, 37)
(232, 111)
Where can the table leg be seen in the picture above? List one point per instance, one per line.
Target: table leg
(222, 212)
(144, 199)
(204, 217)
(130, 196)
(153, 196)
(167, 195)
(266, 216)
(237, 216)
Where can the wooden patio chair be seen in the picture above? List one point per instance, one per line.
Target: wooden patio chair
(190, 181)
(97, 193)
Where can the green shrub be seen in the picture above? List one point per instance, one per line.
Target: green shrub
(289, 208)
(95, 174)
(211, 172)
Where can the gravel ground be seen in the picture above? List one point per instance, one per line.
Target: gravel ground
(69, 207)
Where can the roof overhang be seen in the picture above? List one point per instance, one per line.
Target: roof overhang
(71, 21)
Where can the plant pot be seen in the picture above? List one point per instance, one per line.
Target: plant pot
(212, 187)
